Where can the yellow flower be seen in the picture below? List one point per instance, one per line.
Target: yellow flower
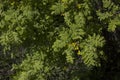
(76, 48)
(78, 52)
(78, 6)
(73, 44)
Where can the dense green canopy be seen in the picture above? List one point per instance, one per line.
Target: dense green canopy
(59, 39)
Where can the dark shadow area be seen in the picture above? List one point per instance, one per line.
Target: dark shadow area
(110, 66)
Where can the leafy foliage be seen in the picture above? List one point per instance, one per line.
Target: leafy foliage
(57, 39)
